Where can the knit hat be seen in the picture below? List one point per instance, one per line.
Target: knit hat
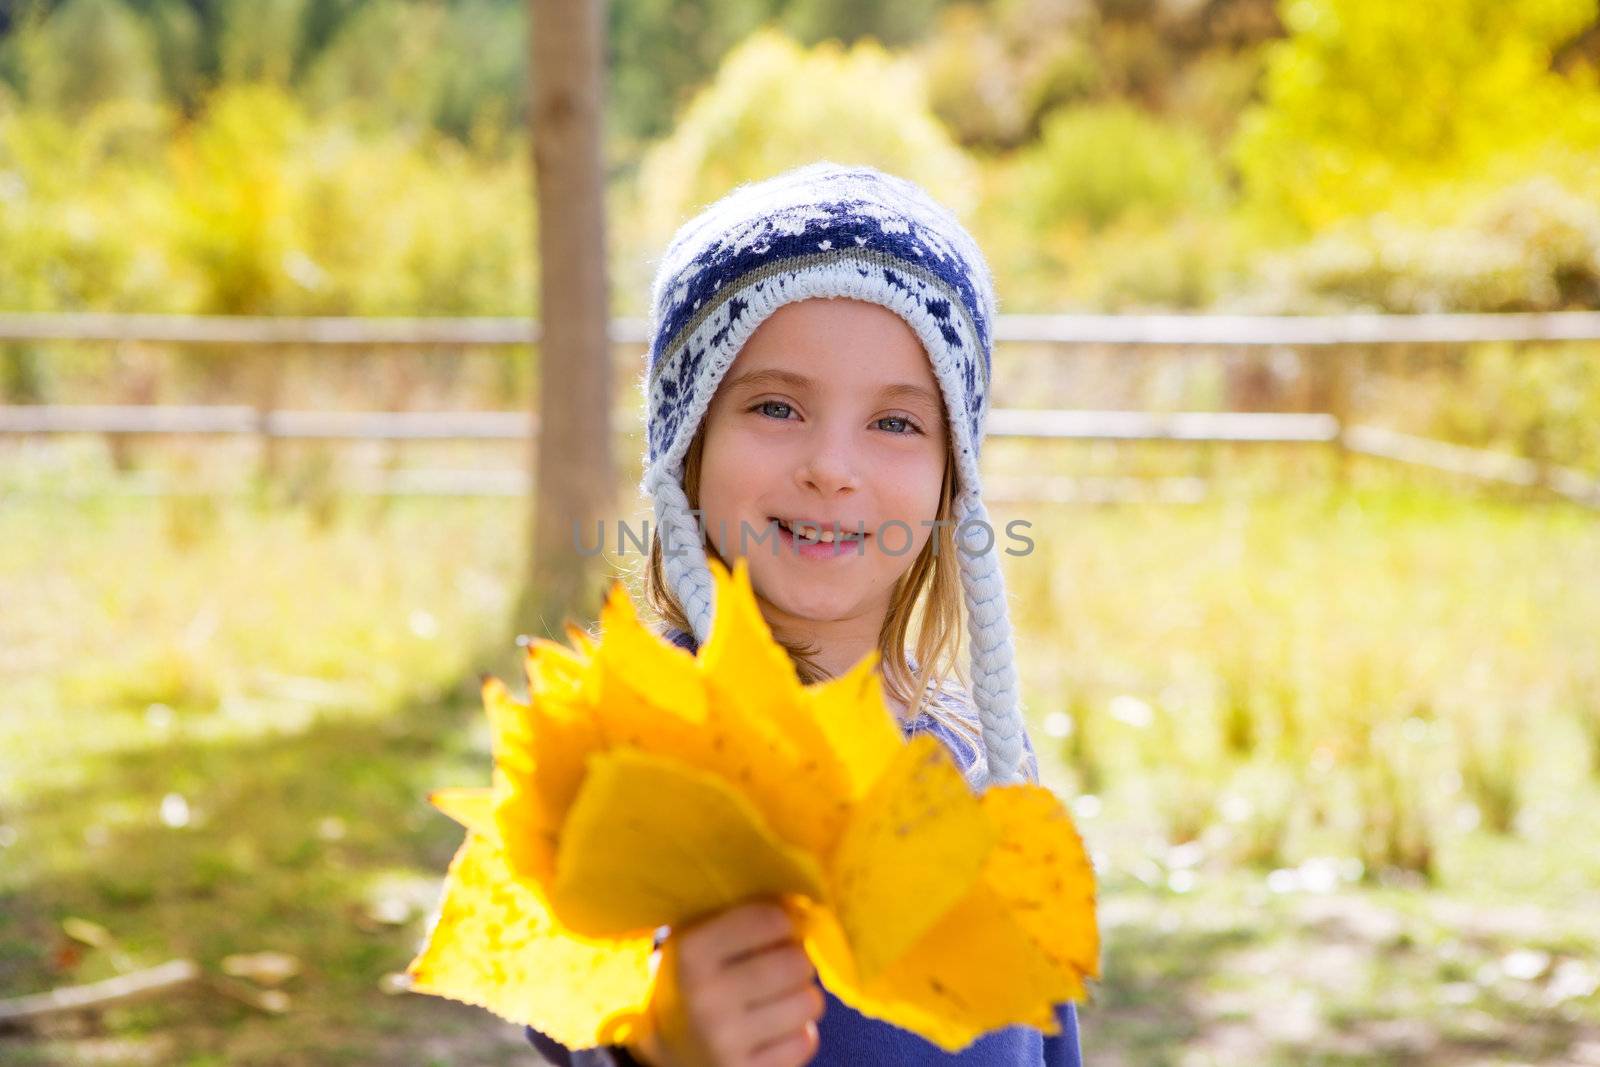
(817, 231)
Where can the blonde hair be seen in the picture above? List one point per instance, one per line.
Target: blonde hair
(938, 625)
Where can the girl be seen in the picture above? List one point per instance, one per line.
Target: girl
(816, 394)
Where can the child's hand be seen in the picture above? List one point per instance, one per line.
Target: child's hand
(733, 990)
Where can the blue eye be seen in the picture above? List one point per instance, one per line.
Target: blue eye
(911, 427)
(761, 407)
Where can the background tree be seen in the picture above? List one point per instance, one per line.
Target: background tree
(574, 478)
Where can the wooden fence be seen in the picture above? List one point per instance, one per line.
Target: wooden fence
(1166, 331)
(1325, 334)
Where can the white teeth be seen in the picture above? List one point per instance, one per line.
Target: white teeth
(811, 532)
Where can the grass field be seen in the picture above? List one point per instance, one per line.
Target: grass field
(1336, 751)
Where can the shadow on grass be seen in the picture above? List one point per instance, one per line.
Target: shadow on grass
(1275, 970)
(318, 843)
(1142, 1012)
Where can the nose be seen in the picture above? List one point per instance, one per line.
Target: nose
(829, 464)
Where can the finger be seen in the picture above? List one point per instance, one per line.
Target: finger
(758, 925)
(736, 932)
(790, 1050)
(771, 973)
(783, 1015)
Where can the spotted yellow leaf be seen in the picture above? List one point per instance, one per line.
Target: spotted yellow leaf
(641, 786)
(1042, 874)
(914, 846)
(496, 945)
(763, 737)
(856, 724)
(651, 841)
(650, 692)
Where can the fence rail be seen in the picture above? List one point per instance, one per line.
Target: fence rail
(515, 426)
(1296, 331)
(269, 423)
(240, 419)
(1223, 427)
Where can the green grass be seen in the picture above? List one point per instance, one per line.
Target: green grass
(301, 688)
(1360, 681)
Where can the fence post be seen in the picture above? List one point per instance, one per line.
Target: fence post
(119, 446)
(1341, 379)
(266, 389)
(132, 383)
(1538, 444)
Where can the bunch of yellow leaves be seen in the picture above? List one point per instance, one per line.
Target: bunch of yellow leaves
(642, 786)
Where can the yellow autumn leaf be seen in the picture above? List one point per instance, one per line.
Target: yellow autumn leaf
(522, 823)
(650, 694)
(496, 945)
(1041, 870)
(1023, 921)
(510, 727)
(651, 840)
(856, 724)
(914, 846)
(554, 670)
(471, 807)
(973, 971)
(642, 674)
(757, 712)
(642, 786)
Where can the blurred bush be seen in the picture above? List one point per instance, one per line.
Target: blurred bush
(1099, 163)
(997, 70)
(399, 65)
(283, 214)
(85, 53)
(1537, 401)
(1368, 100)
(255, 208)
(1530, 246)
(1113, 209)
(262, 41)
(774, 104)
(992, 76)
(83, 210)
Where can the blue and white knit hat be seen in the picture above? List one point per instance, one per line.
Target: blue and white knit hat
(825, 230)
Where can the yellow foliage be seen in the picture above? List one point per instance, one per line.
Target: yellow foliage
(920, 816)
(1366, 101)
(640, 787)
(496, 944)
(650, 836)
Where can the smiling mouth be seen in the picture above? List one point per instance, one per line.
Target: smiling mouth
(811, 532)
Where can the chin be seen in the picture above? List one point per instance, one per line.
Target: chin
(802, 600)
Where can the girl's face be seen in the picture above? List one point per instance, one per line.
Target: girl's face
(830, 413)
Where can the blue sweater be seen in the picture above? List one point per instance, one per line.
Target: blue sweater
(850, 1039)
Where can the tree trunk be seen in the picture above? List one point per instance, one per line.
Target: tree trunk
(574, 481)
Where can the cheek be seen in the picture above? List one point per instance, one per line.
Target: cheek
(910, 488)
(917, 481)
(730, 471)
